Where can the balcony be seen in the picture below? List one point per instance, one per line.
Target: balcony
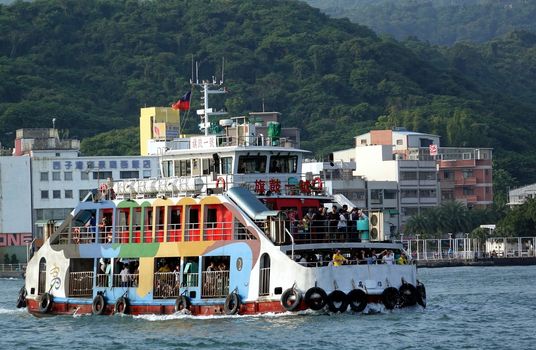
(465, 181)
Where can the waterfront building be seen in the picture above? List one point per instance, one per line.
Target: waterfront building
(46, 178)
(520, 195)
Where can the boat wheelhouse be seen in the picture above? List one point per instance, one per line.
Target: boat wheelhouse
(232, 226)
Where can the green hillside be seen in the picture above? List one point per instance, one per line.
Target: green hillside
(92, 64)
(437, 21)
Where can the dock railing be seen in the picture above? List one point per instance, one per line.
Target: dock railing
(470, 248)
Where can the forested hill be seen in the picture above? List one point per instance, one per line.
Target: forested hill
(92, 64)
(442, 22)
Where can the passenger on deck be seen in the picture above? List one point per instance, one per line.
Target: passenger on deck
(342, 225)
(402, 260)
(333, 220)
(338, 258)
(319, 225)
(211, 267)
(125, 278)
(164, 267)
(388, 257)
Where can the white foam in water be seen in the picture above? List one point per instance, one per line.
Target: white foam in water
(11, 311)
(187, 315)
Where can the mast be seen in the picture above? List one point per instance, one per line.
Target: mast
(214, 87)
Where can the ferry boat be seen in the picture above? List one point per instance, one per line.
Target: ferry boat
(231, 227)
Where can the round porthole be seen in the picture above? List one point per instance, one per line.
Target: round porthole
(239, 264)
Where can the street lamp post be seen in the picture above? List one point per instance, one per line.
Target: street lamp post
(28, 245)
(417, 244)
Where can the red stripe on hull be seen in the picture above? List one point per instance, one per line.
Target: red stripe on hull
(250, 308)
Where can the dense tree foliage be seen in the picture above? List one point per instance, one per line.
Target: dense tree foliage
(437, 21)
(92, 64)
(449, 217)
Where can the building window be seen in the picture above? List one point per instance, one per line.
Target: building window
(408, 175)
(69, 194)
(82, 194)
(427, 193)
(58, 154)
(389, 194)
(468, 191)
(399, 142)
(102, 175)
(409, 211)
(363, 141)
(68, 176)
(447, 175)
(146, 174)
(56, 176)
(408, 194)
(56, 194)
(427, 175)
(44, 176)
(376, 196)
(129, 174)
(467, 173)
(44, 194)
(84, 175)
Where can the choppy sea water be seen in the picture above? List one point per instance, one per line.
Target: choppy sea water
(468, 308)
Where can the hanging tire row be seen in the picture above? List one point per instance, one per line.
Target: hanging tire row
(357, 299)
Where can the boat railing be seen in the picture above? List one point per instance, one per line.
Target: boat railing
(166, 285)
(191, 280)
(218, 231)
(12, 267)
(103, 280)
(215, 284)
(125, 280)
(321, 232)
(328, 262)
(174, 233)
(81, 284)
(192, 232)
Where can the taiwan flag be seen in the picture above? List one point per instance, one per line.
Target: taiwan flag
(183, 104)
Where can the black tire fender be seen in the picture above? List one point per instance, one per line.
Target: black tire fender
(357, 299)
(21, 301)
(291, 299)
(421, 294)
(316, 298)
(408, 295)
(390, 297)
(182, 303)
(99, 305)
(45, 303)
(232, 304)
(337, 297)
(121, 306)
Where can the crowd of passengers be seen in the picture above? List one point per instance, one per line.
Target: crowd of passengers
(338, 224)
(361, 257)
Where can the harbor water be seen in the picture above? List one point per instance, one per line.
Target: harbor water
(468, 308)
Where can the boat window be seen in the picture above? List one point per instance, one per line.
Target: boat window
(82, 217)
(208, 165)
(196, 167)
(175, 216)
(284, 164)
(226, 165)
(167, 166)
(251, 164)
(182, 167)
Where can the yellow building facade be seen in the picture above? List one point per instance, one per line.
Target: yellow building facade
(159, 123)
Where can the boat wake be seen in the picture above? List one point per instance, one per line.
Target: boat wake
(11, 311)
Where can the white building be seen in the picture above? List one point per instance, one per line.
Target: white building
(46, 178)
(394, 157)
(520, 195)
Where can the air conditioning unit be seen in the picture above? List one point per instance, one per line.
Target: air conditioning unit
(376, 226)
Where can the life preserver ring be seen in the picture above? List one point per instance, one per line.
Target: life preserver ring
(103, 187)
(45, 303)
(291, 299)
(390, 297)
(99, 304)
(357, 299)
(337, 301)
(221, 181)
(182, 303)
(421, 294)
(121, 306)
(315, 298)
(317, 184)
(76, 235)
(408, 295)
(232, 304)
(21, 301)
